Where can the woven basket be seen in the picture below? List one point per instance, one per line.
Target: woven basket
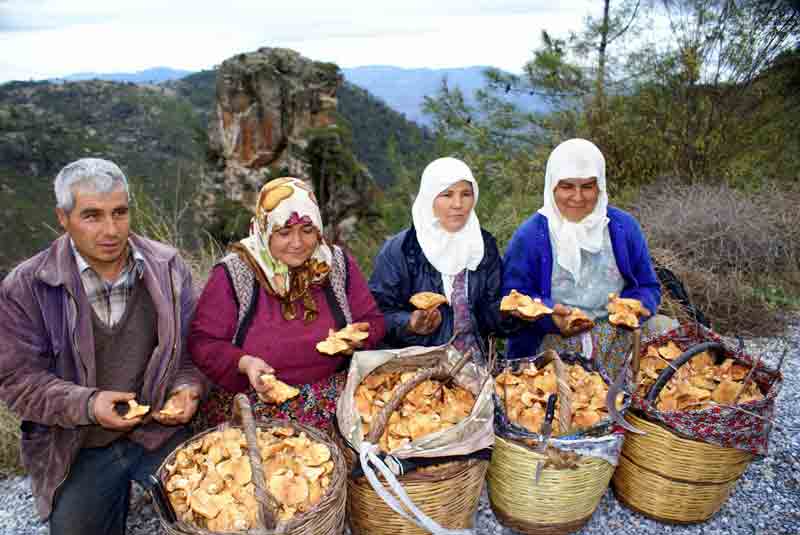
(326, 517)
(448, 492)
(562, 502)
(565, 497)
(674, 479)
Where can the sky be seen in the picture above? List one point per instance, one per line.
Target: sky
(51, 38)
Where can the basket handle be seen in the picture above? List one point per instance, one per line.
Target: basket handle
(667, 373)
(564, 393)
(376, 431)
(269, 506)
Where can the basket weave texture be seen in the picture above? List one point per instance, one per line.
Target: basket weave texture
(326, 517)
(566, 494)
(674, 479)
(563, 500)
(447, 493)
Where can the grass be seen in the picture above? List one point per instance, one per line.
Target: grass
(10, 464)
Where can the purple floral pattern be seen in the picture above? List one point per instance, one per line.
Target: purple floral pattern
(315, 406)
(462, 318)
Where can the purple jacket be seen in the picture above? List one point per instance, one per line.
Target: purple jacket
(47, 363)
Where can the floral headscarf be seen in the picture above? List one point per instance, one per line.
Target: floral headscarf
(285, 202)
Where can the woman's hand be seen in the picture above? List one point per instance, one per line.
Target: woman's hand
(254, 368)
(357, 344)
(424, 322)
(560, 313)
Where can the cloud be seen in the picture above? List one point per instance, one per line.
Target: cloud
(52, 38)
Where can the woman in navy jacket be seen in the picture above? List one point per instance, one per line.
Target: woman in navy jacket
(574, 252)
(446, 252)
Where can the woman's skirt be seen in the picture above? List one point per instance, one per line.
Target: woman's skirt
(610, 344)
(315, 406)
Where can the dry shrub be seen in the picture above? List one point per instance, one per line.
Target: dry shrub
(726, 245)
(10, 463)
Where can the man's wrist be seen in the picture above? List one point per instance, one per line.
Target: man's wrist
(90, 407)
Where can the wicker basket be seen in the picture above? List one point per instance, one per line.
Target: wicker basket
(562, 502)
(566, 495)
(448, 493)
(671, 478)
(674, 479)
(326, 517)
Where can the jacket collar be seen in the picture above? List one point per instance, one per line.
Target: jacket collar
(59, 268)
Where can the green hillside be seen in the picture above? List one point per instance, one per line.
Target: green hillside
(155, 137)
(158, 135)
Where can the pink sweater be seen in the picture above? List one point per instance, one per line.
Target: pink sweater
(287, 346)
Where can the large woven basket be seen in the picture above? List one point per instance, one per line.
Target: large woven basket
(674, 479)
(562, 502)
(448, 493)
(566, 495)
(327, 517)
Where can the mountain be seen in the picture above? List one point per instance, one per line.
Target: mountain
(405, 89)
(156, 132)
(158, 139)
(153, 75)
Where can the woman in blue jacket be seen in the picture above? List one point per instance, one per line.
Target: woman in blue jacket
(574, 252)
(446, 252)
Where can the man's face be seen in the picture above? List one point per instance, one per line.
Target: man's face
(99, 224)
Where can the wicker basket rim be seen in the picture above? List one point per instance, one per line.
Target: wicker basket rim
(337, 478)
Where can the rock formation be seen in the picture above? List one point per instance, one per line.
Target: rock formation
(271, 105)
(266, 100)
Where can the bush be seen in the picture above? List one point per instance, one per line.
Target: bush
(735, 251)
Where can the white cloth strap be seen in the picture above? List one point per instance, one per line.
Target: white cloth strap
(408, 510)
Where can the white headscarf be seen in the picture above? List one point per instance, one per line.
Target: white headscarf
(449, 252)
(575, 158)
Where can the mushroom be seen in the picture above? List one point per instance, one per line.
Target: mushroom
(237, 468)
(135, 410)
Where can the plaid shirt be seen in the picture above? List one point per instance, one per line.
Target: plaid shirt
(109, 299)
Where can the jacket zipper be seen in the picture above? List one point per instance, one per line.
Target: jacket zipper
(80, 432)
(175, 336)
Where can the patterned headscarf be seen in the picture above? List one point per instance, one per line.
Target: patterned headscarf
(285, 202)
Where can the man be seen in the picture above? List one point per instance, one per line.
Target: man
(97, 319)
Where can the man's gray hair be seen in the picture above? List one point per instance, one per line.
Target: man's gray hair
(93, 175)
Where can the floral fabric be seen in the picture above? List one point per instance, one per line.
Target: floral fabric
(462, 318)
(745, 426)
(315, 406)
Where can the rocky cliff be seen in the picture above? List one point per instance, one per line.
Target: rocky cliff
(275, 115)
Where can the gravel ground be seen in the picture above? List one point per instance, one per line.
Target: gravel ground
(766, 500)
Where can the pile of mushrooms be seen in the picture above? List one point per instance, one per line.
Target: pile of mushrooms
(210, 483)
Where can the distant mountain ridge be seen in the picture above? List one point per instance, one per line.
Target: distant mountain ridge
(154, 75)
(402, 89)
(405, 89)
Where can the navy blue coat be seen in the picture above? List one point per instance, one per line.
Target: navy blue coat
(401, 270)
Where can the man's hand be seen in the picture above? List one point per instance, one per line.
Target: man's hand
(424, 322)
(187, 399)
(254, 368)
(106, 415)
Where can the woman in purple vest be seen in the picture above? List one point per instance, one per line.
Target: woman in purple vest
(269, 302)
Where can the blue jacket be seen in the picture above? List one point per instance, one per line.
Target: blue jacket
(529, 270)
(401, 270)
